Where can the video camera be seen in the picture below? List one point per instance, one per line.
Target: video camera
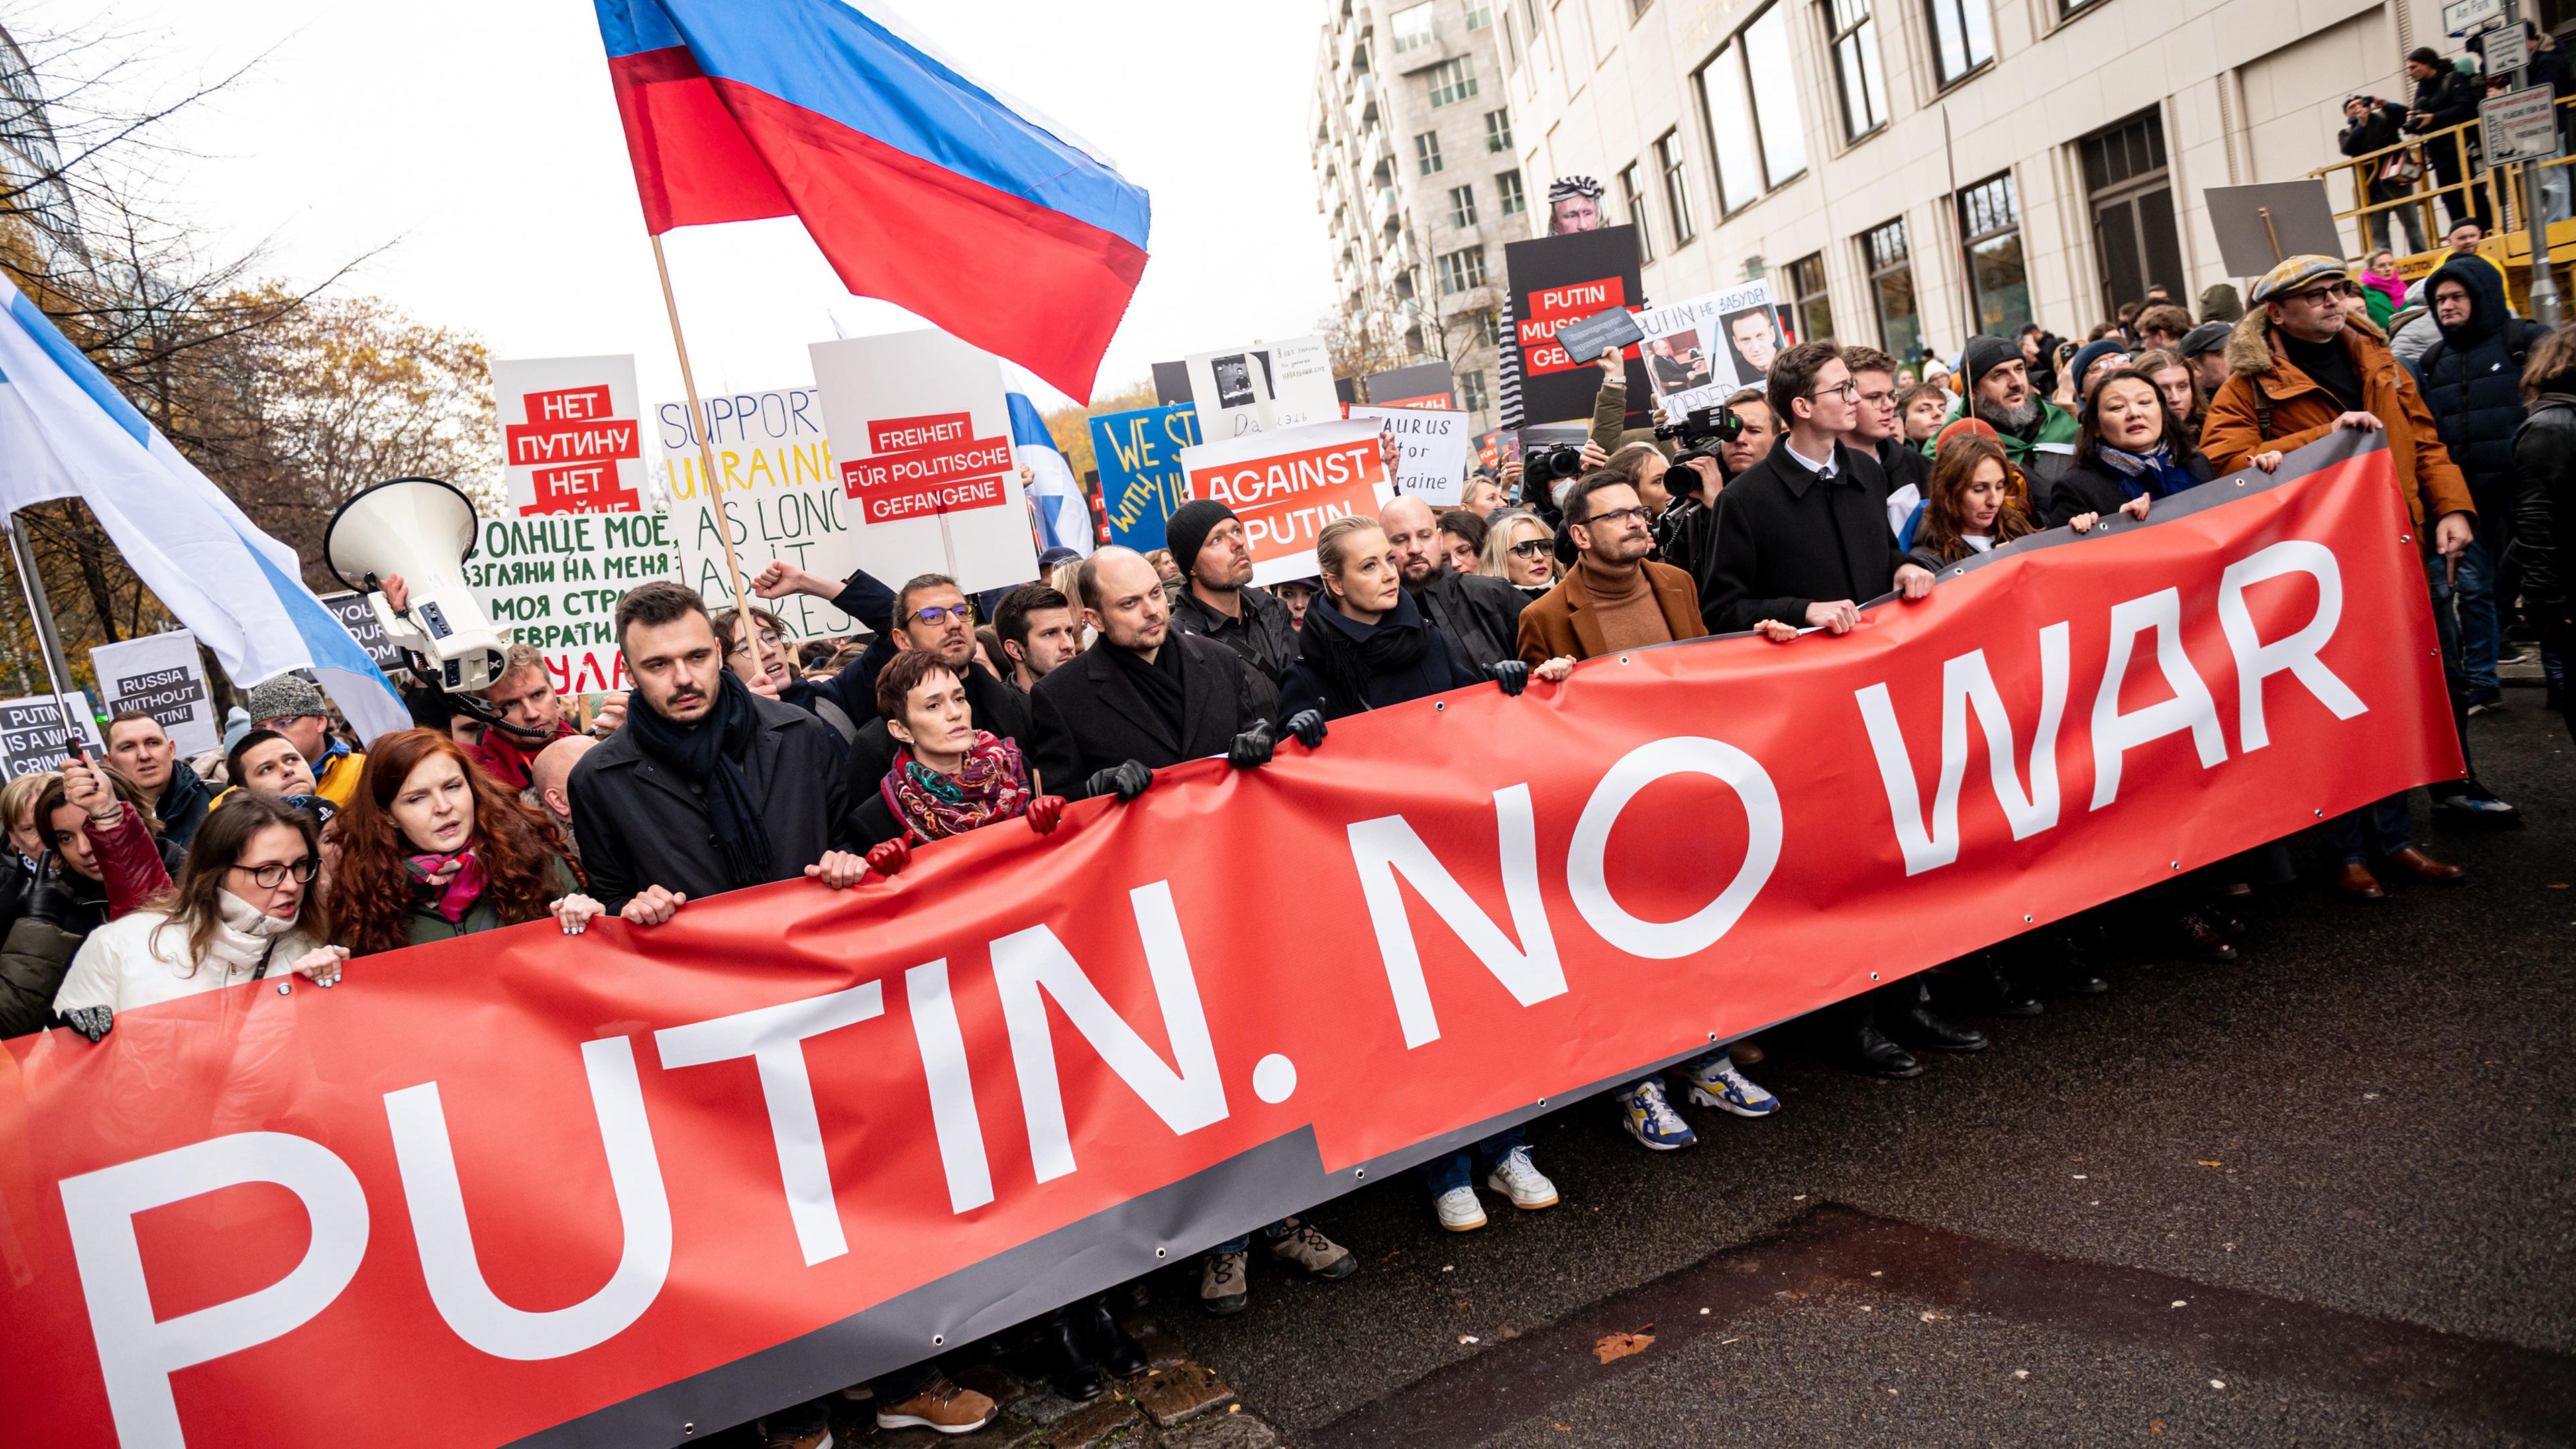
(1701, 433)
(1551, 462)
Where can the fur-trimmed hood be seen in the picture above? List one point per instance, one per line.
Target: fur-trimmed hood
(2249, 348)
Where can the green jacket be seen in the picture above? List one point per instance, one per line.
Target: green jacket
(428, 925)
(2043, 455)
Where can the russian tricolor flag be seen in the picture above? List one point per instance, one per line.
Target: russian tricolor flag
(920, 185)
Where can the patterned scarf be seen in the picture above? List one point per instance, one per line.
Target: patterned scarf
(2143, 474)
(452, 900)
(991, 785)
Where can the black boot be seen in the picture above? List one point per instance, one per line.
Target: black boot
(2073, 974)
(1913, 1023)
(1067, 1362)
(1987, 986)
(1110, 1345)
(1883, 1058)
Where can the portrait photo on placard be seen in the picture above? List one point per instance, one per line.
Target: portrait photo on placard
(1676, 363)
(1233, 380)
(1754, 339)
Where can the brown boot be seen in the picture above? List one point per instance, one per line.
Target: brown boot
(2424, 867)
(942, 1408)
(2358, 883)
(1746, 1053)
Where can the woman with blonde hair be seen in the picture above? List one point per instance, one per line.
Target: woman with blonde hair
(1521, 550)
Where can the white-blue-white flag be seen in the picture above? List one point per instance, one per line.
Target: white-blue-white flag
(1064, 519)
(65, 432)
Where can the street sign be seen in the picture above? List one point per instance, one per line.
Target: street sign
(2508, 50)
(2520, 125)
(2466, 17)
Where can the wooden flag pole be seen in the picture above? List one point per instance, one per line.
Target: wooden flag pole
(707, 462)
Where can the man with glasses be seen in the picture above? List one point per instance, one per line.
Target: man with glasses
(1878, 432)
(2296, 373)
(931, 614)
(1479, 614)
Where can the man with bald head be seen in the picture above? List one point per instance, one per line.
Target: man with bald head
(1479, 615)
(1144, 695)
(550, 783)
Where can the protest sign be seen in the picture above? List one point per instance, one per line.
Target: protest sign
(1287, 485)
(1423, 385)
(782, 497)
(1301, 384)
(569, 438)
(1555, 280)
(165, 677)
(1032, 1067)
(1431, 463)
(554, 581)
(924, 458)
(1141, 481)
(351, 610)
(31, 733)
(1286, 384)
(1700, 351)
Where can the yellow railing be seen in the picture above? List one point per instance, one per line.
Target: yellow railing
(2502, 195)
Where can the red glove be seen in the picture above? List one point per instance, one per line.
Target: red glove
(1045, 813)
(889, 857)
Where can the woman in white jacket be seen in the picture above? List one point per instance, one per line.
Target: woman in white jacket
(234, 917)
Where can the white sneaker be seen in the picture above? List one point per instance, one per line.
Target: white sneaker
(1459, 1211)
(1525, 1185)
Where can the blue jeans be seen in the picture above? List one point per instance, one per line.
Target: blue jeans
(1459, 1169)
(2380, 829)
(2481, 630)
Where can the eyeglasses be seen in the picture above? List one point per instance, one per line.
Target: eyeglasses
(2330, 292)
(1846, 387)
(767, 637)
(1531, 549)
(1613, 517)
(271, 876)
(935, 613)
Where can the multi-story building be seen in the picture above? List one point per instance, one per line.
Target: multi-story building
(1909, 172)
(31, 183)
(1418, 176)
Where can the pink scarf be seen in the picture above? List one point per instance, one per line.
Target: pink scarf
(452, 900)
(2394, 286)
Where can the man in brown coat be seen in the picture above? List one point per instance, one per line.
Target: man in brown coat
(1612, 599)
(2300, 367)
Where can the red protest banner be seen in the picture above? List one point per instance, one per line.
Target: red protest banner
(516, 1184)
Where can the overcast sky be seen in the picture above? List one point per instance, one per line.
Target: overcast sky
(480, 136)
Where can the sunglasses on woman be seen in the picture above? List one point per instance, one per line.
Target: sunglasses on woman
(1530, 549)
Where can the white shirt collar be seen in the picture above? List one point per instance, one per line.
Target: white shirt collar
(1823, 470)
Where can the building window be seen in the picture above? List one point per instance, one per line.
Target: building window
(1632, 195)
(1752, 96)
(1507, 186)
(1963, 37)
(1489, 327)
(1451, 80)
(1461, 270)
(1498, 130)
(1891, 290)
(1864, 89)
(1462, 206)
(1480, 14)
(1990, 228)
(1676, 172)
(1426, 151)
(1811, 313)
(1471, 391)
(2130, 192)
(1414, 27)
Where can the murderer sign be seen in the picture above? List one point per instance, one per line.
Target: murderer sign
(588, 1190)
(569, 438)
(1287, 485)
(925, 458)
(165, 677)
(782, 497)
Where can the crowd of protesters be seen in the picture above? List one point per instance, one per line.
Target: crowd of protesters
(739, 758)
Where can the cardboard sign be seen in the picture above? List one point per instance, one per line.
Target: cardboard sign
(2261, 225)
(2520, 125)
(924, 458)
(783, 500)
(1287, 384)
(554, 582)
(1423, 385)
(1287, 485)
(354, 615)
(165, 677)
(1556, 280)
(569, 438)
(1431, 457)
(1141, 481)
(1700, 351)
(31, 734)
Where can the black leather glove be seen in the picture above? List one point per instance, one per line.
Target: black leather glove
(90, 1021)
(1127, 779)
(1308, 726)
(54, 901)
(1252, 747)
(1512, 675)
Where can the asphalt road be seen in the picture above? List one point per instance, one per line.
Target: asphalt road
(2322, 1196)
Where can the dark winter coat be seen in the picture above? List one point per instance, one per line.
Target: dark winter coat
(2544, 519)
(2448, 96)
(1787, 539)
(2472, 382)
(994, 707)
(1264, 637)
(62, 908)
(2091, 487)
(1089, 716)
(642, 825)
(1439, 671)
(183, 804)
(1480, 615)
(2378, 130)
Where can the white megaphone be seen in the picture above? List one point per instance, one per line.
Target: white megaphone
(424, 530)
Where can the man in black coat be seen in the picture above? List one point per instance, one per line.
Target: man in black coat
(707, 787)
(2374, 125)
(931, 613)
(141, 751)
(1214, 594)
(1479, 615)
(2445, 98)
(1143, 695)
(2472, 384)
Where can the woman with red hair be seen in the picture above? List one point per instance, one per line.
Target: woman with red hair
(431, 848)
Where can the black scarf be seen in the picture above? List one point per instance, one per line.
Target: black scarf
(711, 753)
(1349, 661)
(1159, 680)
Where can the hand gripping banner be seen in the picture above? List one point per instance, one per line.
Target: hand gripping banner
(593, 1190)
